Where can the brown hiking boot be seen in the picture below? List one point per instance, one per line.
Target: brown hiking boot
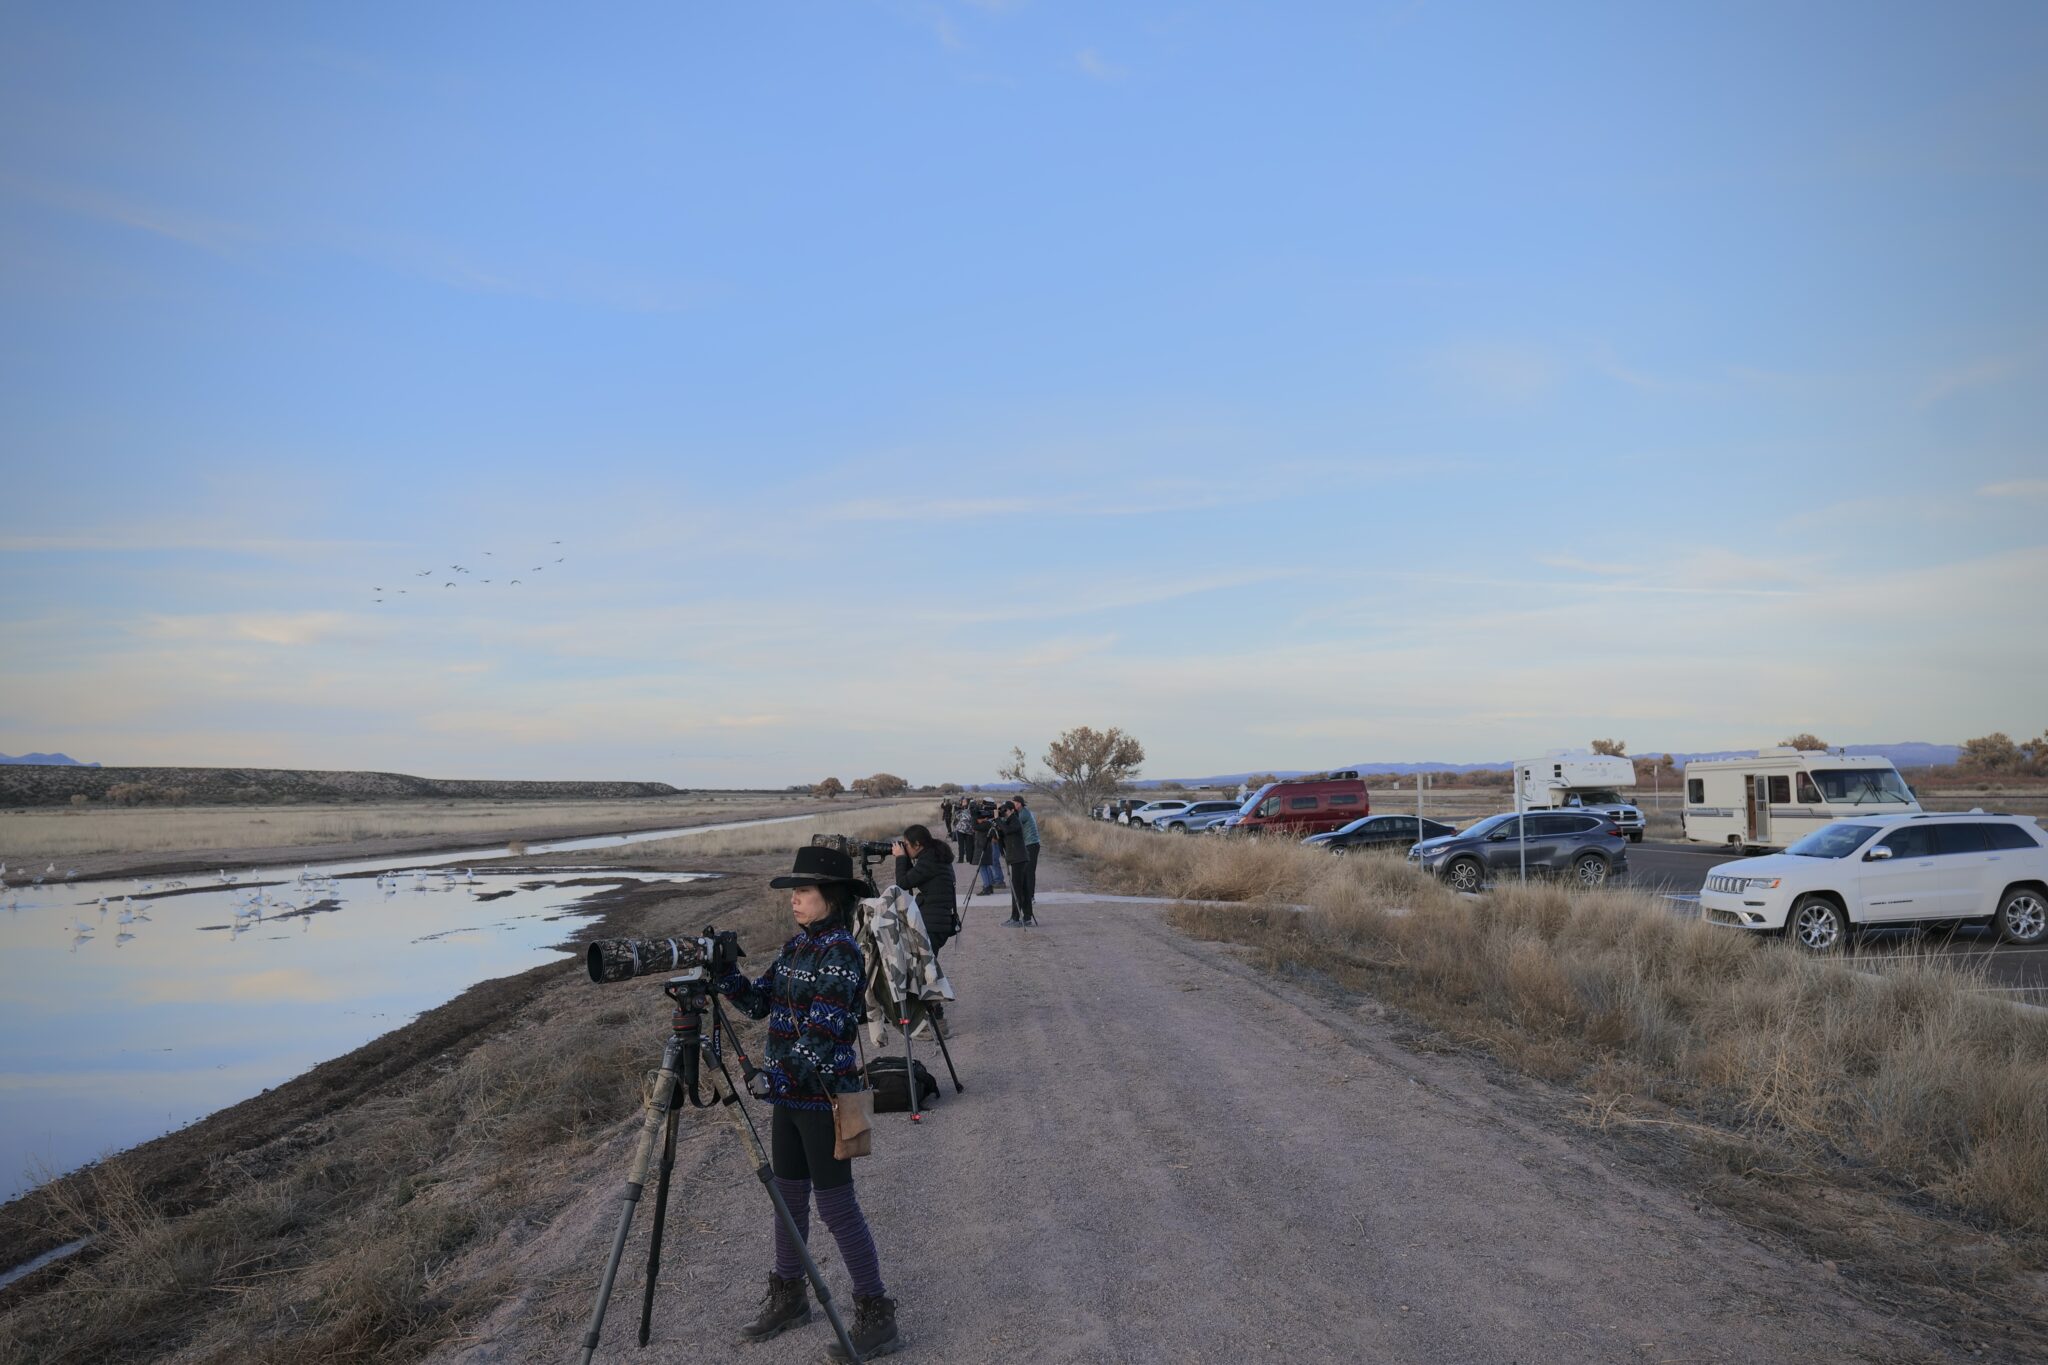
(787, 1304)
(873, 1330)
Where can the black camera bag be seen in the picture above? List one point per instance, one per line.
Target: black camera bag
(892, 1096)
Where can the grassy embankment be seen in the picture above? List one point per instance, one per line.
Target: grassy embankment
(354, 1236)
(1897, 1121)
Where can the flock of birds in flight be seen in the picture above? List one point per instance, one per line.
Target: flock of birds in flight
(465, 573)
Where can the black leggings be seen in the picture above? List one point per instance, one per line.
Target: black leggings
(800, 1142)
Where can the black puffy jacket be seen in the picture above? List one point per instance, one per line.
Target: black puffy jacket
(929, 877)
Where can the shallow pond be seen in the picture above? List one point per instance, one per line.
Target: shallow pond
(132, 1006)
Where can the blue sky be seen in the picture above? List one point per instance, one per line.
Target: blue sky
(904, 381)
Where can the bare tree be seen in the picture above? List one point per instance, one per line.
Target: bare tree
(830, 788)
(1804, 741)
(1087, 765)
(1614, 748)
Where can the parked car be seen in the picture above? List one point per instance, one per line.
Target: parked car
(1197, 816)
(1227, 825)
(1587, 848)
(1305, 805)
(1141, 817)
(1886, 871)
(1378, 831)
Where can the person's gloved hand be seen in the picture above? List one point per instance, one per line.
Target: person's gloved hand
(758, 1086)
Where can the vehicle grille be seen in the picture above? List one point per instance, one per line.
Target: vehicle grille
(1734, 886)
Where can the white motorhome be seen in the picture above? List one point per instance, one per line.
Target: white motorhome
(1779, 796)
(1567, 777)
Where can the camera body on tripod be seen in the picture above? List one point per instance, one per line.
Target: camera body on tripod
(705, 958)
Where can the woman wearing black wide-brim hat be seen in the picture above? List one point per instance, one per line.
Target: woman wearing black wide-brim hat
(811, 998)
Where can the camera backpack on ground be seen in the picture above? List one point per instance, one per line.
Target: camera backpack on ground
(892, 1096)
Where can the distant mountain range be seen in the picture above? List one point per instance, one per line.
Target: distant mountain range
(1912, 754)
(49, 760)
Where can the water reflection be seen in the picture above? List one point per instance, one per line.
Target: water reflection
(132, 1006)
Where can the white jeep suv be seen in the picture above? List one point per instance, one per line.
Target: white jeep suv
(1884, 871)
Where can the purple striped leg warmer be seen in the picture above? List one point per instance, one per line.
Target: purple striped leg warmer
(797, 1194)
(841, 1212)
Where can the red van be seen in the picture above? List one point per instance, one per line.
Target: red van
(1302, 806)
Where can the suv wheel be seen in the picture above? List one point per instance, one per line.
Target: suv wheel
(1817, 924)
(2022, 916)
(1177, 827)
(1590, 869)
(1465, 874)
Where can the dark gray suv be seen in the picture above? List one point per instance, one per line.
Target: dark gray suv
(1586, 848)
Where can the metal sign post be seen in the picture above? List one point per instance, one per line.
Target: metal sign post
(1420, 780)
(1521, 825)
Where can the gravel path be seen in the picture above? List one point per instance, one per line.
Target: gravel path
(1163, 1155)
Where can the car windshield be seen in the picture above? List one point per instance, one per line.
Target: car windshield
(1833, 841)
(1356, 825)
(1861, 786)
(1251, 803)
(1598, 796)
(1489, 824)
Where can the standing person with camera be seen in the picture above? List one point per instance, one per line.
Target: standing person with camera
(924, 868)
(1031, 843)
(1009, 828)
(811, 998)
(987, 847)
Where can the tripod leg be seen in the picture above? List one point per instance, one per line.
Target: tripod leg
(668, 1164)
(938, 1014)
(629, 1198)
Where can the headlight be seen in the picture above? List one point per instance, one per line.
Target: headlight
(1763, 883)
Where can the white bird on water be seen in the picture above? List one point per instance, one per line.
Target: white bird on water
(226, 880)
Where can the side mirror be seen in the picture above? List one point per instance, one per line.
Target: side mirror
(1497, 836)
(1877, 855)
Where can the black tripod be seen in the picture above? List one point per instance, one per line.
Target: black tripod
(678, 1078)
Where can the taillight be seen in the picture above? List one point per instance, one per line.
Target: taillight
(1614, 831)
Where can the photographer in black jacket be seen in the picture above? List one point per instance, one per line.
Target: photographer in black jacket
(1009, 830)
(924, 868)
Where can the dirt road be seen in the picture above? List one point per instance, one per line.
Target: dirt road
(1163, 1155)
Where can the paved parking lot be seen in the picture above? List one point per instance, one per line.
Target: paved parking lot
(1677, 870)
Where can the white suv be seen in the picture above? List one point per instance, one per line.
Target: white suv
(1883, 871)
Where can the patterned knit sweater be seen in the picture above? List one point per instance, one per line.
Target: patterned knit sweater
(811, 1000)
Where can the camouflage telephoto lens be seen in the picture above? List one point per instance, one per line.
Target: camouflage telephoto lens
(622, 959)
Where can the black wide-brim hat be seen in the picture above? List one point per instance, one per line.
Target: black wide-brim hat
(817, 866)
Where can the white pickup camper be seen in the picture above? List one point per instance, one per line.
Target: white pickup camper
(1779, 796)
(1567, 777)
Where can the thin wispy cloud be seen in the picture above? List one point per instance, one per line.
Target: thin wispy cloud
(207, 234)
(2016, 488)
(1091, 63)
(1982, 373)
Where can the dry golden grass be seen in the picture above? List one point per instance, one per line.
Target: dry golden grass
(1913, 1073)
(60, 832)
